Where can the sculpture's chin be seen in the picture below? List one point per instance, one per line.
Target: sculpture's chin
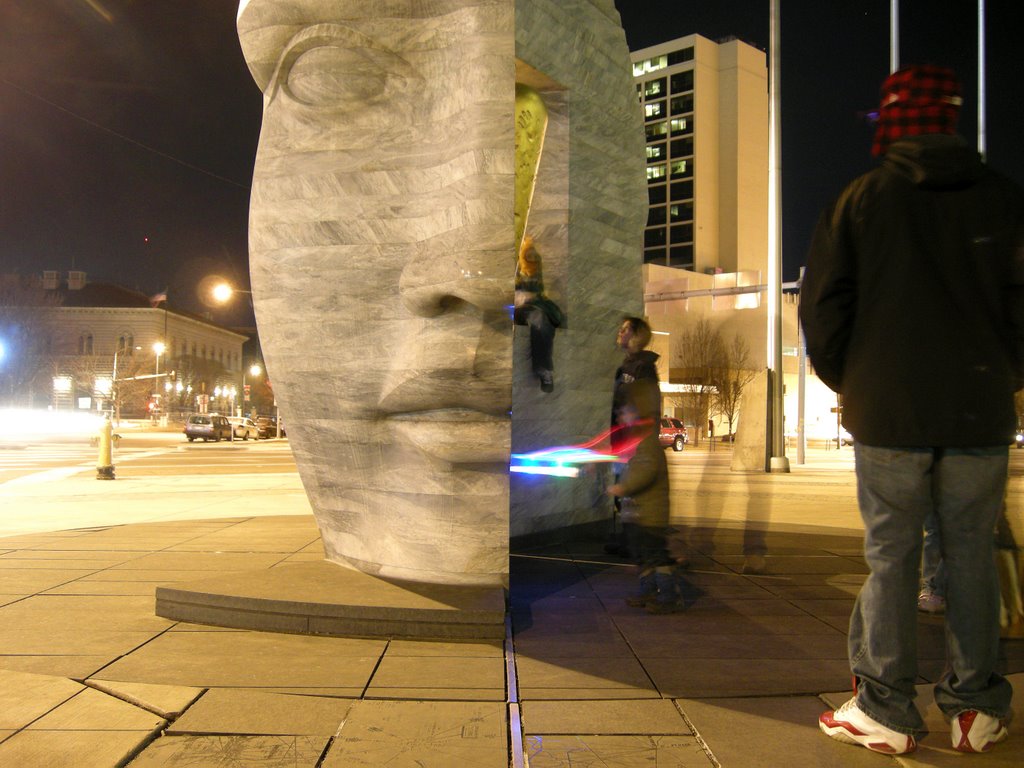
(457, 436)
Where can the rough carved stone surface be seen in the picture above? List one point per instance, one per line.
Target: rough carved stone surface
(382, 257)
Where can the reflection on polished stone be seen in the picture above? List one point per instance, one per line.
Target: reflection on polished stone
(382, 257)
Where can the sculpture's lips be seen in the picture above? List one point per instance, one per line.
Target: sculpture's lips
(457, 435)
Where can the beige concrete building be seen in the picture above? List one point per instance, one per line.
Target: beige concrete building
(705, 108)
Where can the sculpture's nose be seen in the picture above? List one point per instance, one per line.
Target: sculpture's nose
(430, 283)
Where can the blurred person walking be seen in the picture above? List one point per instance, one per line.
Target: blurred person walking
(913, 309)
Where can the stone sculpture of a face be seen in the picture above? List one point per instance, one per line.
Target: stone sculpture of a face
(382, 260)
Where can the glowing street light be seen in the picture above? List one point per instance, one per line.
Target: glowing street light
(222, 292)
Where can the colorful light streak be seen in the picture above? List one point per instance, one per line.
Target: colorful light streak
(566, 460)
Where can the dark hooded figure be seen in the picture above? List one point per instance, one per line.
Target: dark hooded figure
(913, 309)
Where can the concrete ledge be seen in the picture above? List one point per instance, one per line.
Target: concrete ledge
(322, 598)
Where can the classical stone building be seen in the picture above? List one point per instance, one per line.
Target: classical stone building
(79, 336)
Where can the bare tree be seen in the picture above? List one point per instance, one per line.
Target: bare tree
(701, 352)
(734, 375)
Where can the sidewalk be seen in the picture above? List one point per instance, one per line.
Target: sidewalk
(90, 676)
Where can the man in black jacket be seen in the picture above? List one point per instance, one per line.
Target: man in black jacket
(913, 309)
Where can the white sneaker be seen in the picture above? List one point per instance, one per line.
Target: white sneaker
(851, 725)
(974, 731)
(929, 602)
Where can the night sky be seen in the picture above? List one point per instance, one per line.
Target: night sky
(128, 127)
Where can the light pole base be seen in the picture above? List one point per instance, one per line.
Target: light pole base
(778, 464)
(105, 473)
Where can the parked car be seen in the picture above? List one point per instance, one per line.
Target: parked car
(207, 426)
(267, 426)
(673, 433)
(245, 427)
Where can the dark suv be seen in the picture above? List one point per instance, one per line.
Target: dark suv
(207, 426)
(672, 433)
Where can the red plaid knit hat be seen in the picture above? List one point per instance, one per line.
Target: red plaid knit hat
(917, 100)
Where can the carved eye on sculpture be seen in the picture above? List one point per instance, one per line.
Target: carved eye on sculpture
(334, 76)
(335, 66)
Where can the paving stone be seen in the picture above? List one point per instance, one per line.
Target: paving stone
(739, 677)
(72, 666)
(780, 731)
(570, 674)
(28, 581)
(482, 675)
(787, 564)
(200, 561)
(93, 710)
(763, 647)
(55, 749)
(547, 645)
(220, 750)
(609, 718)
(417, 733)
(107, 588)
(101, 558)
(24, 697)
(150, 575)
(249, 660)
(590, 751)
(86, 612)
(440, 648)
(693, 621)
(168, 701)
(233, 711)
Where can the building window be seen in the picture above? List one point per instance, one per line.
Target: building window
(654, 238)
(679, 125)
(654, 110)
(682, 81)
(682, 147)
(680, 212)
(682, 169)
(655, 256)
(655, 152)
(655, 172)
(641, 68)
(655, 215)
(656, 130)
(681, 105)
(681, 191)
(680, 56)
(682, 233)
(656, 194)
(655, 88)
(681, 256)
(85, 344)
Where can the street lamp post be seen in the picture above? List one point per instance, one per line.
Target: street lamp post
(158, 348)
(254, 370)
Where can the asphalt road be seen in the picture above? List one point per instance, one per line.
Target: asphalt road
(145, 454)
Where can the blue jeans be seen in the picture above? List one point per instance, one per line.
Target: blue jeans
(933, 572)
(897, 488)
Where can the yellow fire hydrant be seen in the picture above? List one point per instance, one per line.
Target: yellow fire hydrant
(104, 463)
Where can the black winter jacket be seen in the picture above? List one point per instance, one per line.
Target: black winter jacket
(913, 299)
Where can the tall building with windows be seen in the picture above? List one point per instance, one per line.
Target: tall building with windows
(706, 118)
